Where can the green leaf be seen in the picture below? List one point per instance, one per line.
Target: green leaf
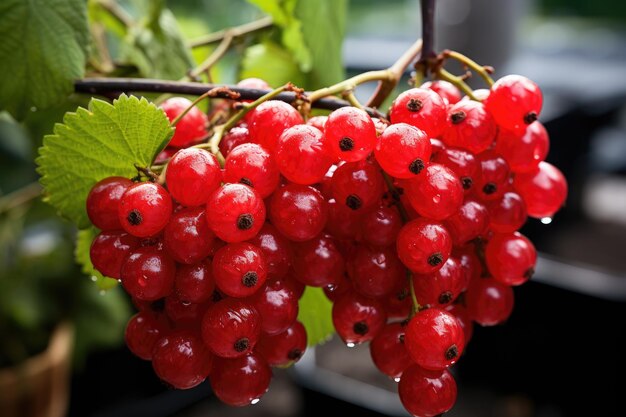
(81, 254)
(43, 49)
(271, 63)
(157, 49)
(323, 29)
(106, 140)
(315, 313)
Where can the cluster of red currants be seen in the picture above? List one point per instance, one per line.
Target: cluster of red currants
(410, 227)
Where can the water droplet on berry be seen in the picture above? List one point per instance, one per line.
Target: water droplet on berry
(396, 379)
(256, 400)
(546, 220)
(350, 344)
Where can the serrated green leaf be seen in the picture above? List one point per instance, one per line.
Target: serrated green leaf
(323, 29)
(43, 49)
(315, 313)
(271, 63)
(106, 140)
(81, 254)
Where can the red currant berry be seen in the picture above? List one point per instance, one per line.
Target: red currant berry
(194, 283)
(240, 381)
(488, 301)
(188, 129)
(144, 209)
(507, 214)
(468, 223)
(358, 319)
(109, 250)
(349, 134)
(283, 349)
(181, 359)
(524, 152)
(252, 165)
(235, 212)
(142, 332)
(318, 262)
(342, 222)
(442, 287)
(422, 108)
(301, 155)
(231, 327)
(515, 102)
(462, 315)
(463, 163)
(434, 339)
(381, 226)
(544, 191)
(436, 193)
(192, 176)
(427, 393)
(447, 91)
(337, 289)
(375, 272)
(403, 150)
(423, 245)
(466, 255)
(276, 248)
(388, 351)
(470, 126)
(184, 314)
(298, 211)
(148, 274)
(398, 304)
(511, 258)
(269, 120)
(187, 237)
(103, 200)
(358, 185)
(278, 306)
(254, 83)
(239, 269)
(236, 136)
(318, 122)
(494, 176)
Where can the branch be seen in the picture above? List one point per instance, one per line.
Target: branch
(102, 86)
(20, 197)
(233, 32)
(428, 54)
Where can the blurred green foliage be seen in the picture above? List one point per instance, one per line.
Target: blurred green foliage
(605, 9)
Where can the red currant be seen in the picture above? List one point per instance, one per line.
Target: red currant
(236, 136)
(144, 209)
(252, 165)
(488, 301)
(427, 393)
(388, 351)
(235, 212)
(349, 134)
(142, 332)
(544, 190)
(470, 126)
(375, 272)
(278, 306)
(507, 214)
(301, 155)
(358, 319)
(468, 223)
(511, 258)
(381, 226)
(239, 269)
(109, 250)
(298, 211)
(442, 287)
(318, 262)
(194, 283)
(515, 102)
(240, 381)
(447, 91)
(188, 129)
(463, 163)
(192, 175)
(231, 327)
(422, 108)
(403, 150)
(103, 200)
(283, 349)
(423, 245)
(269, 120)
(358, 185)
(436, 193)
(187, 237)
(276, 248)
(148, 274)
(494, 176)
(524, 152)
(181, 359)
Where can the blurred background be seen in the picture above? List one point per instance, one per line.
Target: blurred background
(560, 354)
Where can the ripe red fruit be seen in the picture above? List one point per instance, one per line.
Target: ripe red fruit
(318, 262)
(375, 272)
(343, 222)
(511, 258)
(388, 351)
(488, 301)
(301, 155)
(109, 251)
(523, 152)
(318, 122)
(235, 212)
(276, 248)
(507, 214)
(442, 287)
(447, 91)
(422, 108)
(240, 381)
(234, 137)
(144, 209)
(423, 245)
(349, 134)
(381, 226)
(494, 176)
(398, 304)
(468, 223)
(194, 283)
(358, 319)
(403, 150)
(283, 349)
(436, 193)
(277, 305)
(358, 185)
(461, 314)
(427, 393)
(142, 332)
(544, 190)
(148, 274)
(188, 129)
(298, 211)
(239, 269)
(252, 165)
(515, 102)
(434, 339)
(181, 359)
(231, 327)
(269, 120)
(463, 163)
(192, 175)
(103, 200)
(187, 237)
(470, 126)
(184, 315)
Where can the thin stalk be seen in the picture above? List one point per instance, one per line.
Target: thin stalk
(233, 32)
(473, 65)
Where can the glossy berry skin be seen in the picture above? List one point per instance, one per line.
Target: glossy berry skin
(349, 134)
(427, 393)
(192, 175)
(423, 245)
(252, 165)
(436, 193)
(442, 287)
(447, 91)
(463, 163)
(375, 272)
(298, 211)
(239, 269)
(231, 327)
(511, 258)
(194, 283)
(143, 330)
(148, 274)
(398, 304)
(188, 129)
(253, 82)
(469, 126)
(103, 200)
(358, 319)
(240, 381)
(109, 251)
(234, 137)
(187, 237)
(494, 176)
(422, 108)
(181, 359)
(318, 262)
(144, 209)
(235, 212)
(434, 339)
(318, 122)
(269, 120)
(507, 214)
(184, 315)
(489, 302)
(461, 314)
(403, 150)
(337, 289)
(515, 102)
(301, 155)
(343, 222)
(276, 248)
(277, 305)
(285, 348)
(381, 226)
(544, 190)
(358, 185)
(468, 223)
(523, 152)
(388, 351)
